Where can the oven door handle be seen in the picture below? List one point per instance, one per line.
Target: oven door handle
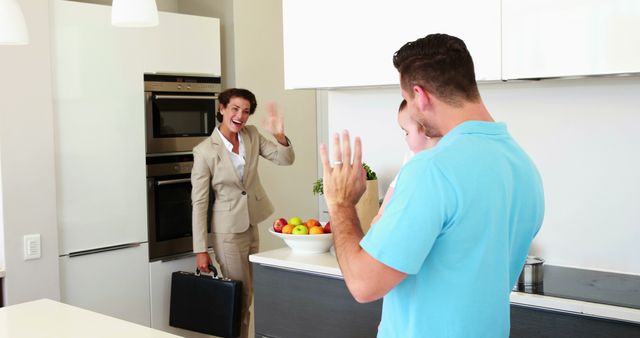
(176, 181)
(194, 97)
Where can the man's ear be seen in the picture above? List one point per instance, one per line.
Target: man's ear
(423, 98)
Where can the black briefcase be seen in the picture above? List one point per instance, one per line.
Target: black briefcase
(206, 303)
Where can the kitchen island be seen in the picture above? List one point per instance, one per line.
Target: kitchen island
(48, 318)
(304, 295)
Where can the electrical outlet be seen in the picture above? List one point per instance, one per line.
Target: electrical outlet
(31, 246)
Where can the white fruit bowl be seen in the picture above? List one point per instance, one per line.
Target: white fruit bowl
(310, 244)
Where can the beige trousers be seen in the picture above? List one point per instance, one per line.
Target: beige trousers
(232, 254)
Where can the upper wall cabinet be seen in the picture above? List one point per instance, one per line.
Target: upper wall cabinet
(546, 38)
(335, 43)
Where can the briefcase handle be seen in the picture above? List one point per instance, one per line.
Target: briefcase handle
(212, 268)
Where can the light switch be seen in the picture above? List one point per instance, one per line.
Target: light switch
(31, 246)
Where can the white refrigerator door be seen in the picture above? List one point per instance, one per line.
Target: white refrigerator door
(98, 100)
(114, 283)
(98, 105)
(160, 273)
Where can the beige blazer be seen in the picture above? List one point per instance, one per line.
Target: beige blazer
(236, 203)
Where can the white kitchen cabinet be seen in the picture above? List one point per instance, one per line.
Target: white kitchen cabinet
(114, 283)
(98, 100)
(160, 272)
(333, 43)
(182, 44)
(545, 38)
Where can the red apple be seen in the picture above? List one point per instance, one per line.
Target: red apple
(327, 228)
(279, 224)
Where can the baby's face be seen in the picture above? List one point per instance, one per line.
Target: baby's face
(414, 135)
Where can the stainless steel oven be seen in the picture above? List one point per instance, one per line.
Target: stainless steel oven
(180, 111)
(169, 205)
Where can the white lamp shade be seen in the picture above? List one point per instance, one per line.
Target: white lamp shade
(13, 29)
(134, 13)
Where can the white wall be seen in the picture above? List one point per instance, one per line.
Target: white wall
(581, 133)
(28, 180)
(583, 136)
(259, 66)
(372, 115)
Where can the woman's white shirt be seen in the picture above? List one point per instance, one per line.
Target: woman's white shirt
(238, 159)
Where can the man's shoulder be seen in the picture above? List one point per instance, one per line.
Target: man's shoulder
(426, 159)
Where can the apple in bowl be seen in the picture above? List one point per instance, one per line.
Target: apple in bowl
(300, 229)
(279, 224)
(327, 228)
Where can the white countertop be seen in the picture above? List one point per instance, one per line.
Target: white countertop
(327, 264)
(48, 318)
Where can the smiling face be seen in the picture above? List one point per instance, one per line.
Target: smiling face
(235, 114)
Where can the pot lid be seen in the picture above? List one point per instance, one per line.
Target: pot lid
(533, 260)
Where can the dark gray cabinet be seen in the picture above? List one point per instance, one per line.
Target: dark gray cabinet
(532, 322)
(295, 304)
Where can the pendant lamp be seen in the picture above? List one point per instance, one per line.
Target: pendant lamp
(134, 13)
(13, 29)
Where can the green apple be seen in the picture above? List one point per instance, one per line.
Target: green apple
(300, 230)
(295, 221)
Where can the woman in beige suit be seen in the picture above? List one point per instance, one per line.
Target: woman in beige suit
(227, 163)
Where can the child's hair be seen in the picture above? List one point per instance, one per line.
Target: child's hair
(402, 106)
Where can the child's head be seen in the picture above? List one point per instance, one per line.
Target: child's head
(415, 135)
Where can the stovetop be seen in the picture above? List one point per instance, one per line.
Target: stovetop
(591, 286)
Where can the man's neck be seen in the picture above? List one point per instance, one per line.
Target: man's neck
(451, 117)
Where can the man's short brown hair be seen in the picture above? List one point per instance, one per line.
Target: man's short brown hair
(442, 65)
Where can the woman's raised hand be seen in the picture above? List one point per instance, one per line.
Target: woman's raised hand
(274, 123)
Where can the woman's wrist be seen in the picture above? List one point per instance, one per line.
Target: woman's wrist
(282, 139)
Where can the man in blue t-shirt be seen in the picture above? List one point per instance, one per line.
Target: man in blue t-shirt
(450, 245)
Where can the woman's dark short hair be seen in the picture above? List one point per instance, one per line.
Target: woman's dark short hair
(442, 65)
(225, 97)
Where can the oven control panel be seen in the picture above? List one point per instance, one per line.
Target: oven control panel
(168, 165)
(167, 169)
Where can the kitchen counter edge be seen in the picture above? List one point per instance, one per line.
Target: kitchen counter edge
(326, 264)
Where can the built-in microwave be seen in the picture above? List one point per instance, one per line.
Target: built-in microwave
(180, 111)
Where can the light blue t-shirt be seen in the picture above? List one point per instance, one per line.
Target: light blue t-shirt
(459, 223)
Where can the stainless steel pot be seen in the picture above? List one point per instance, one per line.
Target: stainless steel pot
(532, 275)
